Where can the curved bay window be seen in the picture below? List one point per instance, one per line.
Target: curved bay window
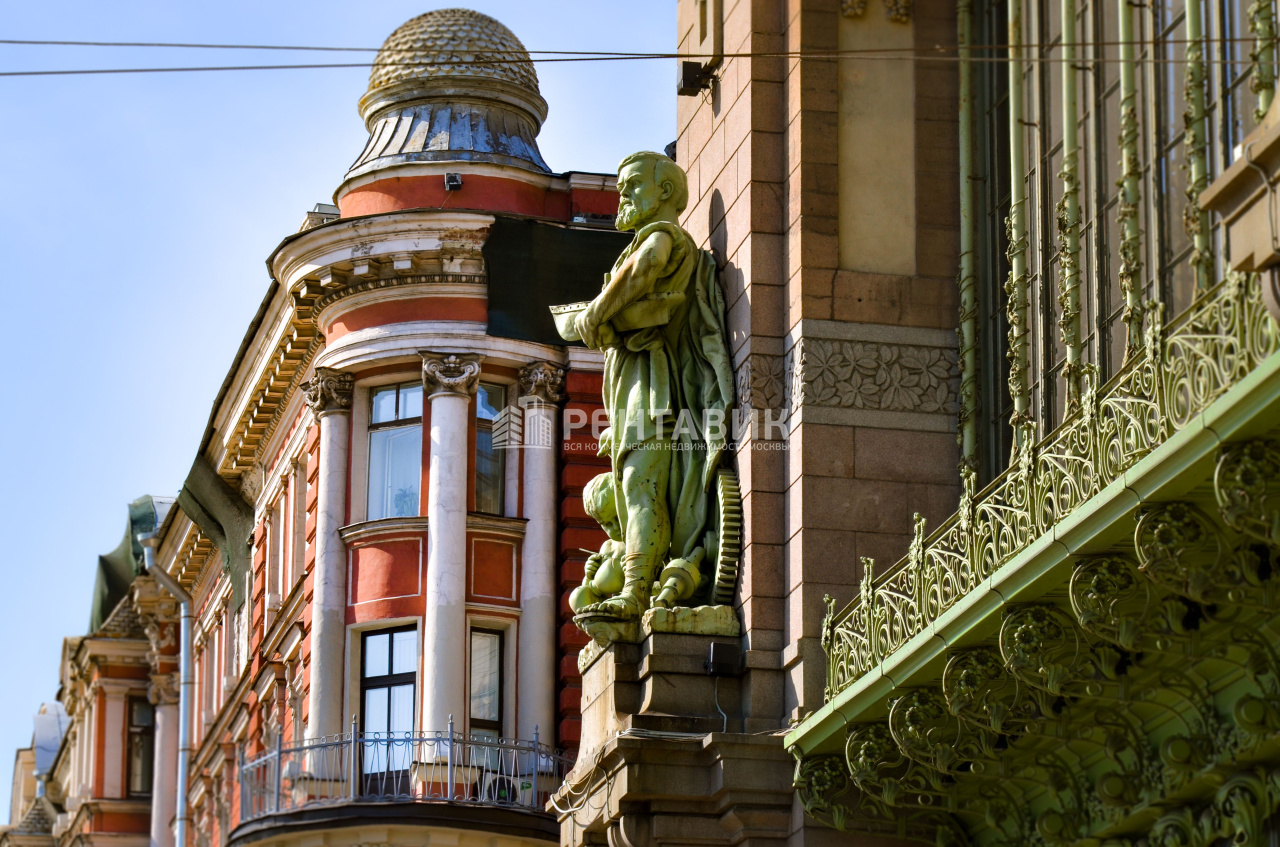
(491, 467)
(395, 451)
(388, 694)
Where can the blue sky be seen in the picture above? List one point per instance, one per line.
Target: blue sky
(136, 212)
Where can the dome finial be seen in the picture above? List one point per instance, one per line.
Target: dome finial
(452, 84)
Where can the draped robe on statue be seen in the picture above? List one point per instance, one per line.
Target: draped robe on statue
(661, 382)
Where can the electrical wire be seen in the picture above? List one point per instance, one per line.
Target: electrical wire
(637, 54)
(1044, 60)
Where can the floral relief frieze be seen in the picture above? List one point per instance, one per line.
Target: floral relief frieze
(874, 376)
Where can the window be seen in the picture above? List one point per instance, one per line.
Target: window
(388, 681)
(395, 451)
(491, 402)
(142, 746)
(486, 683)
(1165, 272)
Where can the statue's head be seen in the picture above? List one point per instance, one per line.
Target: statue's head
(651, 187)
(598, 501)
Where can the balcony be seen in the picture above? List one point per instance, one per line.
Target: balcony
(424, 778)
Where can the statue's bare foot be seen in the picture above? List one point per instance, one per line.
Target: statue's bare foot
(624, 607)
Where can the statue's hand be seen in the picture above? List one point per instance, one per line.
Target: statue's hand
(593, 565)
(588, 329)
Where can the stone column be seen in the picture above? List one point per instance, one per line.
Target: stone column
(449, 381)
(328, 393)
(163, 693)
(159, 613)
(541, 390)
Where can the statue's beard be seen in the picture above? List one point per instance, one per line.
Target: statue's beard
(630, 215)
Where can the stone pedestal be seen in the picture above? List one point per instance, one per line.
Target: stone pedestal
(656, 765)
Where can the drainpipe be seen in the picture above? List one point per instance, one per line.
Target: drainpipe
(149, 542)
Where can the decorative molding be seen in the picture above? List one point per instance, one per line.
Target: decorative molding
(450, 373)
(873, 376)
(762, 383)
(543, 381)
(163, 689)
(362, 285)
(898, 11)
(328, 391)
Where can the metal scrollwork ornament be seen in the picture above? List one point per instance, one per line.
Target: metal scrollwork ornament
(1041, 647)
(1110, 599)
(1246, 484)
(980, 691)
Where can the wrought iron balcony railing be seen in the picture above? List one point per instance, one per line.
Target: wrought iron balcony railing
(401, 766)
(1212, 346)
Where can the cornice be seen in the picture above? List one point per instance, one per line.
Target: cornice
(361, 292)
(494, 525)
(366, 531)
(348, 242)
(404, 341)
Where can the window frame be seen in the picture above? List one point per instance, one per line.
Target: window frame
(500, 456)
(397, 422)
(134, 731)
(499, 724)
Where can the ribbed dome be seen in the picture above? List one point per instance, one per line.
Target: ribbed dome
(453, 43)
(452, 85)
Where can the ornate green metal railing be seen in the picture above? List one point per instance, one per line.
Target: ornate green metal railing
(1176, 375)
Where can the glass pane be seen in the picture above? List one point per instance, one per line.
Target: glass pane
(375, 721)
(384, 405)
(375, 710)
(411, 400)
(141, 761)
(490, 399)
(143, 713)
(490, 473)
(404, 651)
(485, 650)
(402, 708)
(376, 660)
(395, 472)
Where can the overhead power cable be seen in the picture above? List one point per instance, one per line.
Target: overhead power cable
(516, 57)
(1247, 40)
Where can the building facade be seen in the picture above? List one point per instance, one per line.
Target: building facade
(1000, 279)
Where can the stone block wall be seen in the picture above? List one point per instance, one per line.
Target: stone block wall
(827, 190)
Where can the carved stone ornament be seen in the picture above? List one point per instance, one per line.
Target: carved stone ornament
(898, 11)
(328, 391)
(163, 689)
(543, 381)
(450, 373)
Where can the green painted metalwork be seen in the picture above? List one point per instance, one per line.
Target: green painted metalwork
(1262, 23)
(967, 429)
(1130, 182)
(1212, 346)
(1018, 305)
(1068, 214)
(1195, 92)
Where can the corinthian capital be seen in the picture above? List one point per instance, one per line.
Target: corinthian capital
(163, 689)
(328, 391)
(542, 380)
(450, 373)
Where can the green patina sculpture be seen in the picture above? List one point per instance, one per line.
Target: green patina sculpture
(668, 387)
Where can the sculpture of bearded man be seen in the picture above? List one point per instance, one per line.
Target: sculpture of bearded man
(668, 387)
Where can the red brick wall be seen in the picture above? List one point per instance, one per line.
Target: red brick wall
(578, 464)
